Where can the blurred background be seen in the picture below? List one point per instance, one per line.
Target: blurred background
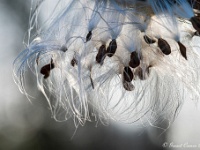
(26, 125)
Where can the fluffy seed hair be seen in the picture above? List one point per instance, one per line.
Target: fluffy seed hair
(122, 60)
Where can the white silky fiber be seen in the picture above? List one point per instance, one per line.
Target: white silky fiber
(122, 60)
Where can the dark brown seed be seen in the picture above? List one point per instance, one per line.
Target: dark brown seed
(112, 48)
(128, 86)
(140, 73)
(196, 22)
(148, 69)
(128, 74)
(101, 54)
(89, 36)
(196, 13)
(45, 70)
(195, 4)
(164, 46)
(37, 59)
(182, 50)
(134, 61)
(196, 33)
(91, 80)
(148, 40)
(73, 62)
(63, 48)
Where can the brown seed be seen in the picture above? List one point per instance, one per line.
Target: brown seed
(140, 73)
(196, 33)
(195, 4)
(128, 86)
(112, 48)
(73, 62)
(182, 50)
(134, 61)
(37, 59)
(197, 13)
(148, 69)
(89, 36)
(128, 74)
(196, 22)
(91, 80)
(45, 70)
(101, 54)
(148, 40)
(63, 48)
(164, 46)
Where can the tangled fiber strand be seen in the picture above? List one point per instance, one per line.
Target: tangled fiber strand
(122, 60)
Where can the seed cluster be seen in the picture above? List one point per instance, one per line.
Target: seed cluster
(139, 52)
